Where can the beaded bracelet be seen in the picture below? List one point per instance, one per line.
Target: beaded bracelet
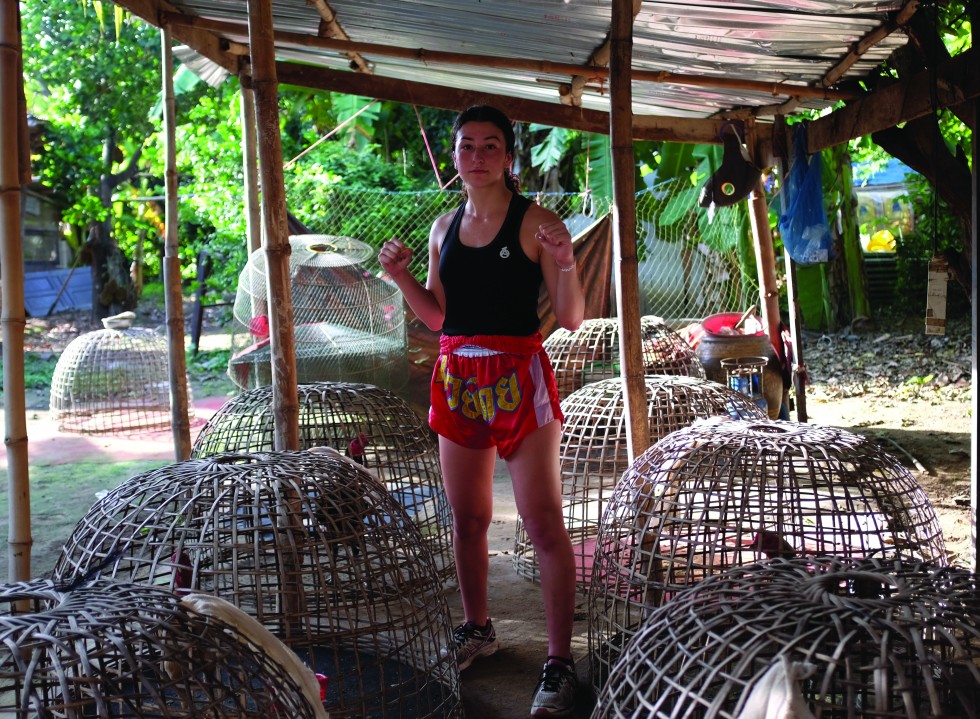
(567, 269)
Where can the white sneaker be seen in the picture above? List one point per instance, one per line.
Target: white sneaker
(555, 693)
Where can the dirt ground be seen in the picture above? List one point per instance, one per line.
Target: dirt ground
(908, 392)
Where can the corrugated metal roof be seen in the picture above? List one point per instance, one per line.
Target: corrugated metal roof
(789, 41)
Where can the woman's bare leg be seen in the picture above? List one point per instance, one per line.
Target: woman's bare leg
(467, 476)
(535, 473)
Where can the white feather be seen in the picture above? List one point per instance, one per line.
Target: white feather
(777, 695)
(261, 638)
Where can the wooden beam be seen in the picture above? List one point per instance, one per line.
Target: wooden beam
(645, 127)
(956, 82)
(174, 296)
(207, 43)
(285, 400)
(330, 27)
(625, 258)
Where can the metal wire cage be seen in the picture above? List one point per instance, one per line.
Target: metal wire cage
(591, 352)
(112, 380)
(815, 638)
(312, 546)
(349, 326)
(594, 451)
(112, 649)
(720, 493)
(369, 424)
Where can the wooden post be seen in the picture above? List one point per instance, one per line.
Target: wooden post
(285, 400)
(974, 298)
(177, 359)
(799, 367)
(253, 210)
(765, 260)
(624, 228)
(13, 320)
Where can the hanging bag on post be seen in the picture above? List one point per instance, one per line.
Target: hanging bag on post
(804, 227)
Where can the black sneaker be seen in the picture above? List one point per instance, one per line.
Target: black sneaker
(555, 693)
(474, 641)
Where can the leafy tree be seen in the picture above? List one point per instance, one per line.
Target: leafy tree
(938, 146)
(93, 91)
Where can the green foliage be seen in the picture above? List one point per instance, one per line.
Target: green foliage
(207, 371)
(38, 369)
(97, 94)
(548, 153)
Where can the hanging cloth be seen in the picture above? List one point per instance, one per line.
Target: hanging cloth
(804, 227)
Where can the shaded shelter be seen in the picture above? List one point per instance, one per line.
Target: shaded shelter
(650, 71)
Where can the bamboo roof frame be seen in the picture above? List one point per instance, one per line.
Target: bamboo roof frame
(252, 58)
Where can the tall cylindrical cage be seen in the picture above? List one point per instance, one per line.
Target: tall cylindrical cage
(108, 649)
(349, 326)
(591, 352)
(722, 493)
(312, 546)
(594, 451)
(112, 380)
(807, 637)
(371, 425)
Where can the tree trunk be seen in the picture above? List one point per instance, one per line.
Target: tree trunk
(920, 146)
(112, 285)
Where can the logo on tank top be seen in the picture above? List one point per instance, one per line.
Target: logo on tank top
(504, 252)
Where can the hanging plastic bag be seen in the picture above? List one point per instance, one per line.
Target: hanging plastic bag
(804, 227)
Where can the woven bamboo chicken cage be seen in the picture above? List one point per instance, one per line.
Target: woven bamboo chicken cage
(809, 638)
(591, 352)
(369, 424)
(107, 649)
(112, 380)
(719, 494)
(594, 451)
(312, 546)
(348, 325)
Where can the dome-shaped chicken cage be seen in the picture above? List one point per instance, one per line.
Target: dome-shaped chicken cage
(369, 424)
(112, 380)
(312, 546)
(722, 493)
(591, 353)
(594, 451)
(128, 650)
(348, 326)
(807, 638)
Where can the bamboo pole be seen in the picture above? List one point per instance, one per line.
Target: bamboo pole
(285, 401)
(624, 228)
(799, 376)
(253, 211)
(765, 260)
(13, 319)
(177, 359)
(974, 298)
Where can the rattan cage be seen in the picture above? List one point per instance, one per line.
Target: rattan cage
(591, 352)
(722, 493)
(112, 380)
(807, 637)
(594, 451)
(310, 544)
(367, 423)
(107, 649)
(348, 325)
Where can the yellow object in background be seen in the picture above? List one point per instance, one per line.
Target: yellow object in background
(881, 241)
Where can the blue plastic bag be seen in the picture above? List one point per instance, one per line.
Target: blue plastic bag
(804, 227)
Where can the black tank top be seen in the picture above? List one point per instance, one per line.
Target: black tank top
(491, 290)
